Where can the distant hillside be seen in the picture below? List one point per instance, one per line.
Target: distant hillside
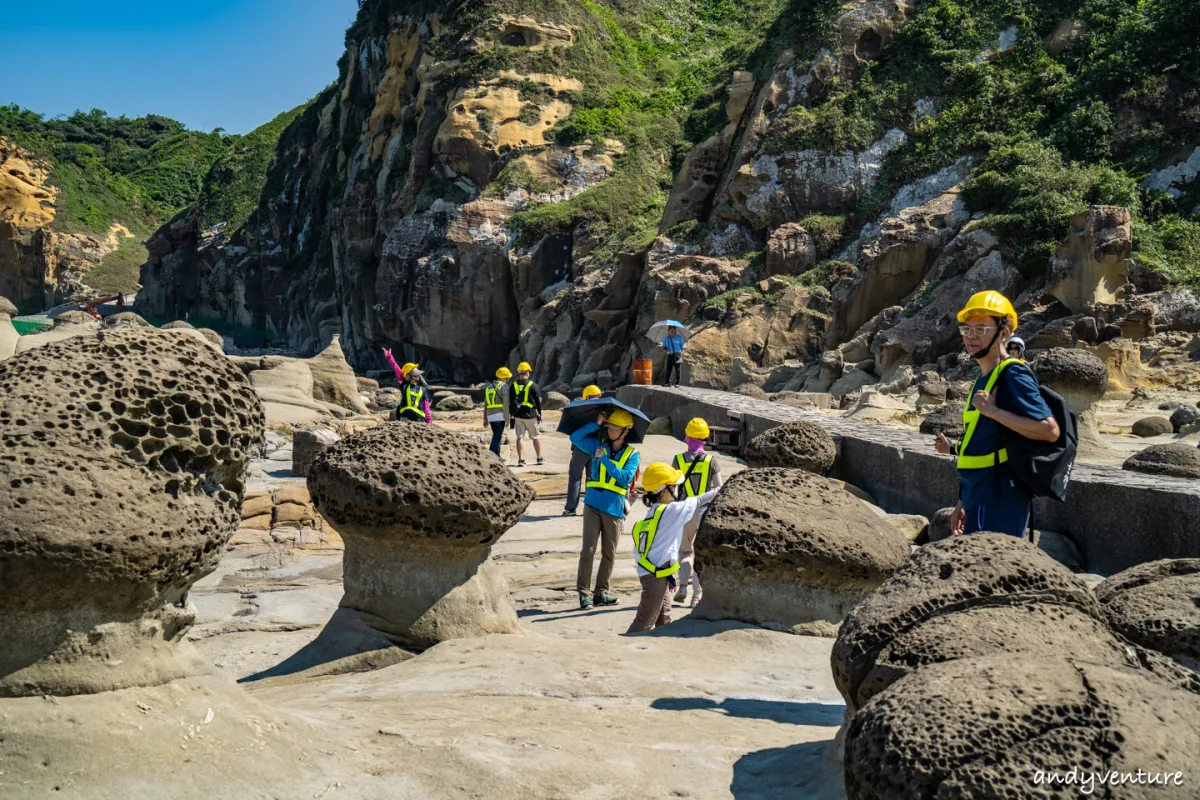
(108, 183)
(116, 169)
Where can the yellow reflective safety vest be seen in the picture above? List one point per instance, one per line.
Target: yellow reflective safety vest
(491, 397)
(603, 481)
(701, 471)
(522, 392)
(412, 399)
(971, 421)
(643, 540)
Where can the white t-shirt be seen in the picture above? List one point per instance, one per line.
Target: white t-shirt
(667, 539)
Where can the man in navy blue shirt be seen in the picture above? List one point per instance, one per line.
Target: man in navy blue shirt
(673, 344)
(1005, 394)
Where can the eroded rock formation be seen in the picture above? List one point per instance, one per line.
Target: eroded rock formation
(1180, 459)
(791, 550)
(419, 509)
(1157, 605)
(1082, 379)
(121, 481)
(794, 445)
(984, 727)
(960, 597)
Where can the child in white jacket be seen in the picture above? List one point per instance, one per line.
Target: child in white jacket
(656, 541)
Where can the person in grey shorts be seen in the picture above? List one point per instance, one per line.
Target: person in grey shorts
(525, 404)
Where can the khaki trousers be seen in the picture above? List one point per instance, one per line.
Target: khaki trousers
(605, 530)
(654, 609)
(687, 558)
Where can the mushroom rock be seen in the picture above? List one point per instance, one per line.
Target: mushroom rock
(1082, 379)
(120, 481)
(418, 508)
(801, 445)
(983, 727)
(791, 550)
(333, 379)
(1157, 605)
(1178, 459)
(943, 603)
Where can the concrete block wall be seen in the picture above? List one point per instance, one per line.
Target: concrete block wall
(1118, 518)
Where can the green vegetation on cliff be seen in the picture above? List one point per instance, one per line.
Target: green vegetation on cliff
(654, 74)
(1093, 95)
(116, 169)
(231, 189)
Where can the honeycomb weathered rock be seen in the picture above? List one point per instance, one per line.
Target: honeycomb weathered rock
(121, 467)
(1157, 605)
(786, 547)
(417, 480)
(418, 508)
(801, 445)
(943, 578)
(984, 727)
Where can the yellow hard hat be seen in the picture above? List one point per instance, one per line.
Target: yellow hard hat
(658, 475)
(992, 304)
(503, 373)
(524, 367)
(407, 368)
(620, 419)
(591, 391)
(697, 429)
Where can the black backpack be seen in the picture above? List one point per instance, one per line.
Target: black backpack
(1044, 468)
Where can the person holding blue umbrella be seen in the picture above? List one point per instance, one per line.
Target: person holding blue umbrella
(673, 337)
(611, 475)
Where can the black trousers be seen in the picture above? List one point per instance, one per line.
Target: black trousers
(673, 361)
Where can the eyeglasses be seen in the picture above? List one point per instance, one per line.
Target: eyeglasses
(975, 330)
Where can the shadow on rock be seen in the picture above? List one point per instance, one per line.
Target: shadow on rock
(802, 770)
(785, 711)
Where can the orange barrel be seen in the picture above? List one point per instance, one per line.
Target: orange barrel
(643, 372)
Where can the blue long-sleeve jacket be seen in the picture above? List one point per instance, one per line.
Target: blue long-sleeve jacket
(587, 439)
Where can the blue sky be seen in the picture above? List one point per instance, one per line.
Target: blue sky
(231, 64)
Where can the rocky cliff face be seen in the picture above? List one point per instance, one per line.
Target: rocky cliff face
(479, 188)
(40, 266)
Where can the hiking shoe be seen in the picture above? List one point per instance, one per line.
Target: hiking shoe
(569, 514)
(520, 463)
(541, 461)
(585, 601)
(605, 599)
(695, 599)
(681, 597)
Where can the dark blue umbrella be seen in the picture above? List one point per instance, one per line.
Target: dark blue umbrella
(580, 412)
